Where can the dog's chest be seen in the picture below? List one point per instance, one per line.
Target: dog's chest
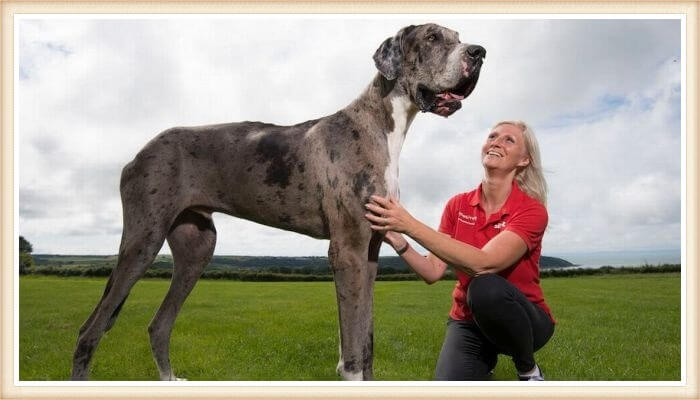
(402, 117)
(391, 175)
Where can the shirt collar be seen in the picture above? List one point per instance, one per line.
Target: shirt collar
(513, 199)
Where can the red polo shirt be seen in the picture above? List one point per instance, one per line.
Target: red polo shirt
(465, 220)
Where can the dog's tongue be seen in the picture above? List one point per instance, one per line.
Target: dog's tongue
(447, 100)
(447, 96)
(447, 103)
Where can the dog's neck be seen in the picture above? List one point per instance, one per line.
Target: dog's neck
(394, 113)
(394, 99)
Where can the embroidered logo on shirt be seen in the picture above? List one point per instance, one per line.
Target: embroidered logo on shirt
(467, 219)
(500, 225)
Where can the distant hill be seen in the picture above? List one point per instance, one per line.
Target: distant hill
(554, 262)
(293, 264)
(394, 262)
(289, 269)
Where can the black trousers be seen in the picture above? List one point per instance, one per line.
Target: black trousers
(505, 322)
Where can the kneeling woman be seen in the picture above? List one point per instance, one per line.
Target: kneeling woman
(492, 237)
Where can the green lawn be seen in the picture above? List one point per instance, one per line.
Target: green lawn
(610, 327)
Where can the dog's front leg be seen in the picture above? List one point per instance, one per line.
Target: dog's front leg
(354, 277)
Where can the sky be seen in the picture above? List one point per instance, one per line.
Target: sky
(602, 95)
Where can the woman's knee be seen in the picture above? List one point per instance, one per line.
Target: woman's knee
(487, 292)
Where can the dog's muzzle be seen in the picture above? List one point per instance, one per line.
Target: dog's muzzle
(446, 102)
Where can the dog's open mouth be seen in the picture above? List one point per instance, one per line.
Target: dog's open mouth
(446, 102)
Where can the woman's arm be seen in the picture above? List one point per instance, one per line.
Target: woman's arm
(429, 268)
(502, 251)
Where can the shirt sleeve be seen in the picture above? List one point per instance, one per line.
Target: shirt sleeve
(529, 223)
(449, 216)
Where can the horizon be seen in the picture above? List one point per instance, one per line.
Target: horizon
(555, 255)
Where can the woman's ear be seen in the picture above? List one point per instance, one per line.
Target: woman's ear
(524, 162)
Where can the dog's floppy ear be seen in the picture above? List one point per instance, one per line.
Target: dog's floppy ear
(389, 56)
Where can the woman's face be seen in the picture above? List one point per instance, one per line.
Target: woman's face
(505, 149)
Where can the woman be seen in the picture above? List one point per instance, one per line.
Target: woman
(492, 237)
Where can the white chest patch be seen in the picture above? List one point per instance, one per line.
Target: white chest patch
(402, 117)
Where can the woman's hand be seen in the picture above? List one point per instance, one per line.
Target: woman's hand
(388, 215)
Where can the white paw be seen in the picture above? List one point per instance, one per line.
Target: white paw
(351, 376)
(171, 377)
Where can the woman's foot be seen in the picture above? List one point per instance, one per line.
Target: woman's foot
(533, 375)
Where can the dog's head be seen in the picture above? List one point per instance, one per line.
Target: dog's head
(430, 62)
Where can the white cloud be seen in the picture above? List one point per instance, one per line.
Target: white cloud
(646, 200)
(616, 178)
(602, 95)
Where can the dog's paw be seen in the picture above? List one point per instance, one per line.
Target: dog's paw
(171, 378)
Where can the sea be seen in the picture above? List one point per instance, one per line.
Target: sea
(623, 258)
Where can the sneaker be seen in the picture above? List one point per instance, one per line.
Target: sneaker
(536, 376)
(489, 375)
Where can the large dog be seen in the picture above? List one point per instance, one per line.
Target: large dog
(313, 178)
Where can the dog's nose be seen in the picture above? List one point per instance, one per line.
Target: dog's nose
(476, 51)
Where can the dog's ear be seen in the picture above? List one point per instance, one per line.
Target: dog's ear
(389, 56)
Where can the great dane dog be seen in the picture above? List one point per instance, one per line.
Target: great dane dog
(312, 178)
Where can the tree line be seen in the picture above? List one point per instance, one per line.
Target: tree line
(262, 269)
(25, 255)
(382, 275)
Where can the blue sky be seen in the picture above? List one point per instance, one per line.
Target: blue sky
(603, 96)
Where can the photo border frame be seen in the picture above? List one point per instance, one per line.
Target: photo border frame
(348, 390)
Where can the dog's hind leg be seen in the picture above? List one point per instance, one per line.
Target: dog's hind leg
(138, 250)
(149, 212)
(192, 239)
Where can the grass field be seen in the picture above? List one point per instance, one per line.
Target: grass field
(610, 327)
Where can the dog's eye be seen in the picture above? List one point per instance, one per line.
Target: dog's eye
(432, 38)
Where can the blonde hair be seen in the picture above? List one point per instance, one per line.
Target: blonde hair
(530, 178)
